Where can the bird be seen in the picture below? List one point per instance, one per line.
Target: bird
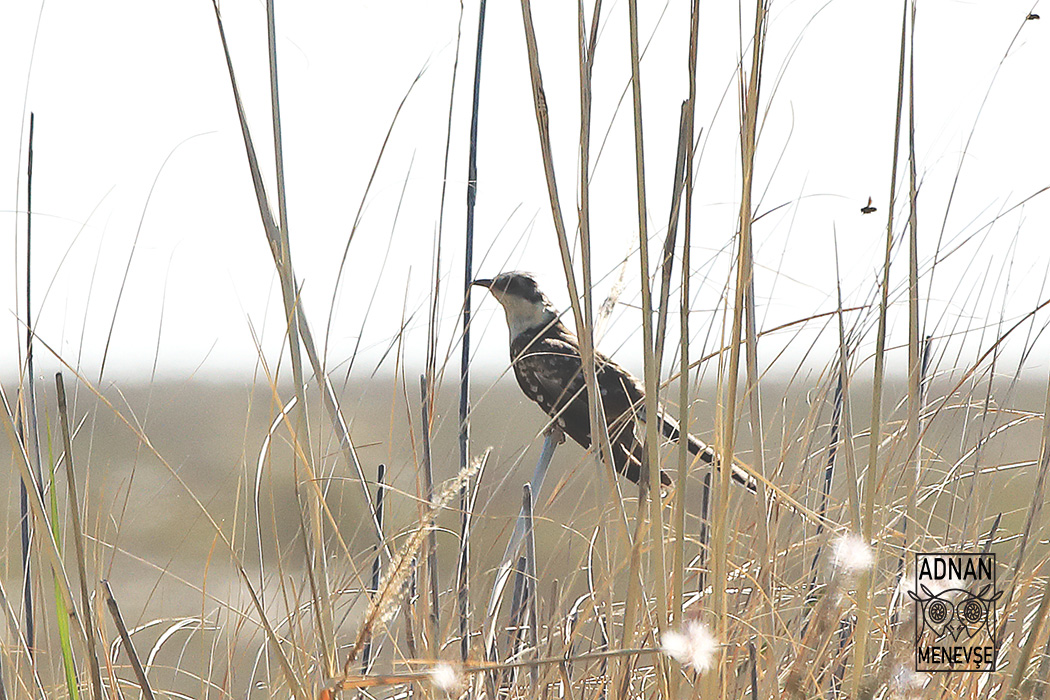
(869, 209)
(547, 363)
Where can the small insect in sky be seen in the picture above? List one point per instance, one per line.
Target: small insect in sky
(868, 209)
(1032, 16)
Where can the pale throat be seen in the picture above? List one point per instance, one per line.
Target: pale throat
(523, 315)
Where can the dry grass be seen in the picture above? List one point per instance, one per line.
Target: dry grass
(311, 584)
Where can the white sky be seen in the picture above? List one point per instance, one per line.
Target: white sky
(120, 87)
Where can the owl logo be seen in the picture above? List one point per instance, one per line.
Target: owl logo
(956, 612)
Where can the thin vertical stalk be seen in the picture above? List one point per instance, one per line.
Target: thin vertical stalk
(125, 638)
(504, 570)
(583, 326)
(585, 317)
(749, 99)
(864, 583)
(431, 550)
(514, 620)
(317, 559)
(463, 573)
(463, 595)
(30, 414)
(38, 511)
(678, 556)
(533, 585)
(78, 539)
(377, 563)
(273, 239)
(765, 555)
(667, 255)
(912, 428)
(852, 480)
(651, 368)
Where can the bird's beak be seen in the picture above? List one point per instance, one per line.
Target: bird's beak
(482, 283)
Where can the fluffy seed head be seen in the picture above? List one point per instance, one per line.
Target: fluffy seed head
(851, 554)
(694, 645)
(445, 677)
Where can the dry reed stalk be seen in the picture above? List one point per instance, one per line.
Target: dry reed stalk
(316, 556)
(78, 539)
(328, 397)
(510, 556)
(377, 563)
(29, 423)
(671, 238)
(533, 584)
(864, 588)
(911, 464)
(717, 686)
(463, 571)
(766, 553)
(38, 512)
(852, 479)
(583, 327)
(678, 553)
(651, 373)
(430, 551)
(125, 638)
(376, 681)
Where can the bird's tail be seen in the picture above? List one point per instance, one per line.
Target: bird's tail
(707, 453)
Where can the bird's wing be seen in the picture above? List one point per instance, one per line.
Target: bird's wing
(556, 370)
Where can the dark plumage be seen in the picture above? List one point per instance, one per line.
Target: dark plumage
(548, 366)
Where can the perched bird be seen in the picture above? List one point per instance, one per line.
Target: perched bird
(547, 363)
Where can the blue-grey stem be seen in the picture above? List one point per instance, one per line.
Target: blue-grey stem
(550, 443)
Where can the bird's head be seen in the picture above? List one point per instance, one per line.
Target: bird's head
(526, 306)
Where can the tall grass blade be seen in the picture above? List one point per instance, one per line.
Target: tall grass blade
(61, 614)
(78, 538)
(651, 363)
(30, 415)
(431, 549)
(533, 585)
(868, 525)
(667, 255)
(510, 556)
(749, 96)
(678, 556)
(129, 647)
(38, 512)
(912, 463)
(317, 557)
(852, 479)
(328, 397)
(377, 563)
(463, 573)
(583, 326)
